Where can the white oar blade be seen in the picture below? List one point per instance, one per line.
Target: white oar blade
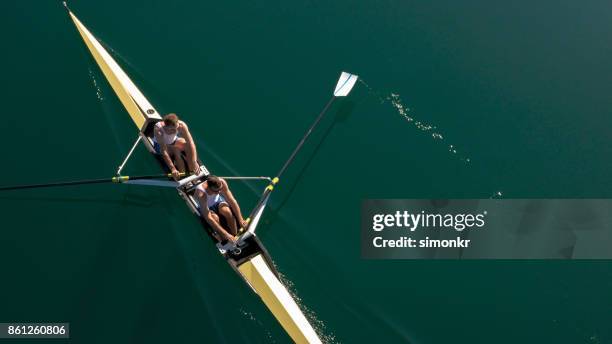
(345, 84)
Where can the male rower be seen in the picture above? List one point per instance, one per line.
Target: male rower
(171, 139)
(218, 205)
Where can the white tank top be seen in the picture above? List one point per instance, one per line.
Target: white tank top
(211, 199)
(166, 138)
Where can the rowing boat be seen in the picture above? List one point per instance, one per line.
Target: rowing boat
(248, 257)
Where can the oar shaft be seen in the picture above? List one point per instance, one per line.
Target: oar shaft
(274, 181)
(119, 179)
(305, 137)
(47, 185)
(151, 176)
(248, 178)
(343, 87)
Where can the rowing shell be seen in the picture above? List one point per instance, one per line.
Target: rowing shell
(251, 260)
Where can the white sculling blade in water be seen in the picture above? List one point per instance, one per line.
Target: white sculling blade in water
(345, 84)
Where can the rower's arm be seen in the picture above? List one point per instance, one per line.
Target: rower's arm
(163, 149)
(231, 200)
(186, 134)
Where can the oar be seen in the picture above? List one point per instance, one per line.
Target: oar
(117, 179)
(248, 178)
(343, 88)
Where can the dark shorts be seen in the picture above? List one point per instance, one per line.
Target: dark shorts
(157, 147)
(215, 207)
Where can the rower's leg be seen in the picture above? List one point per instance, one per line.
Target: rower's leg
(189, 153)
(214, 217)
(209, 216)
(178, 159)
(226, 212)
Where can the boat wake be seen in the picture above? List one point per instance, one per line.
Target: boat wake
(107, 112)
(497, 195)
(395, 100)
(326, 336)
(96, 86)
(398, 105)
(251, 317)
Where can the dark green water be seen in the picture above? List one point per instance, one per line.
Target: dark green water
(520, 89)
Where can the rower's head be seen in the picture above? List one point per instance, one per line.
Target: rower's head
(171, 120)
(214, 183)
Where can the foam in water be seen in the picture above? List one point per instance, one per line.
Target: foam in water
(119, 142)
(395, 100)
(251, 317)
(318, 325)
(96, 86)
(497, 195)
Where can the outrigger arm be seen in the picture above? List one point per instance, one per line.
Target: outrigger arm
(129, 154)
